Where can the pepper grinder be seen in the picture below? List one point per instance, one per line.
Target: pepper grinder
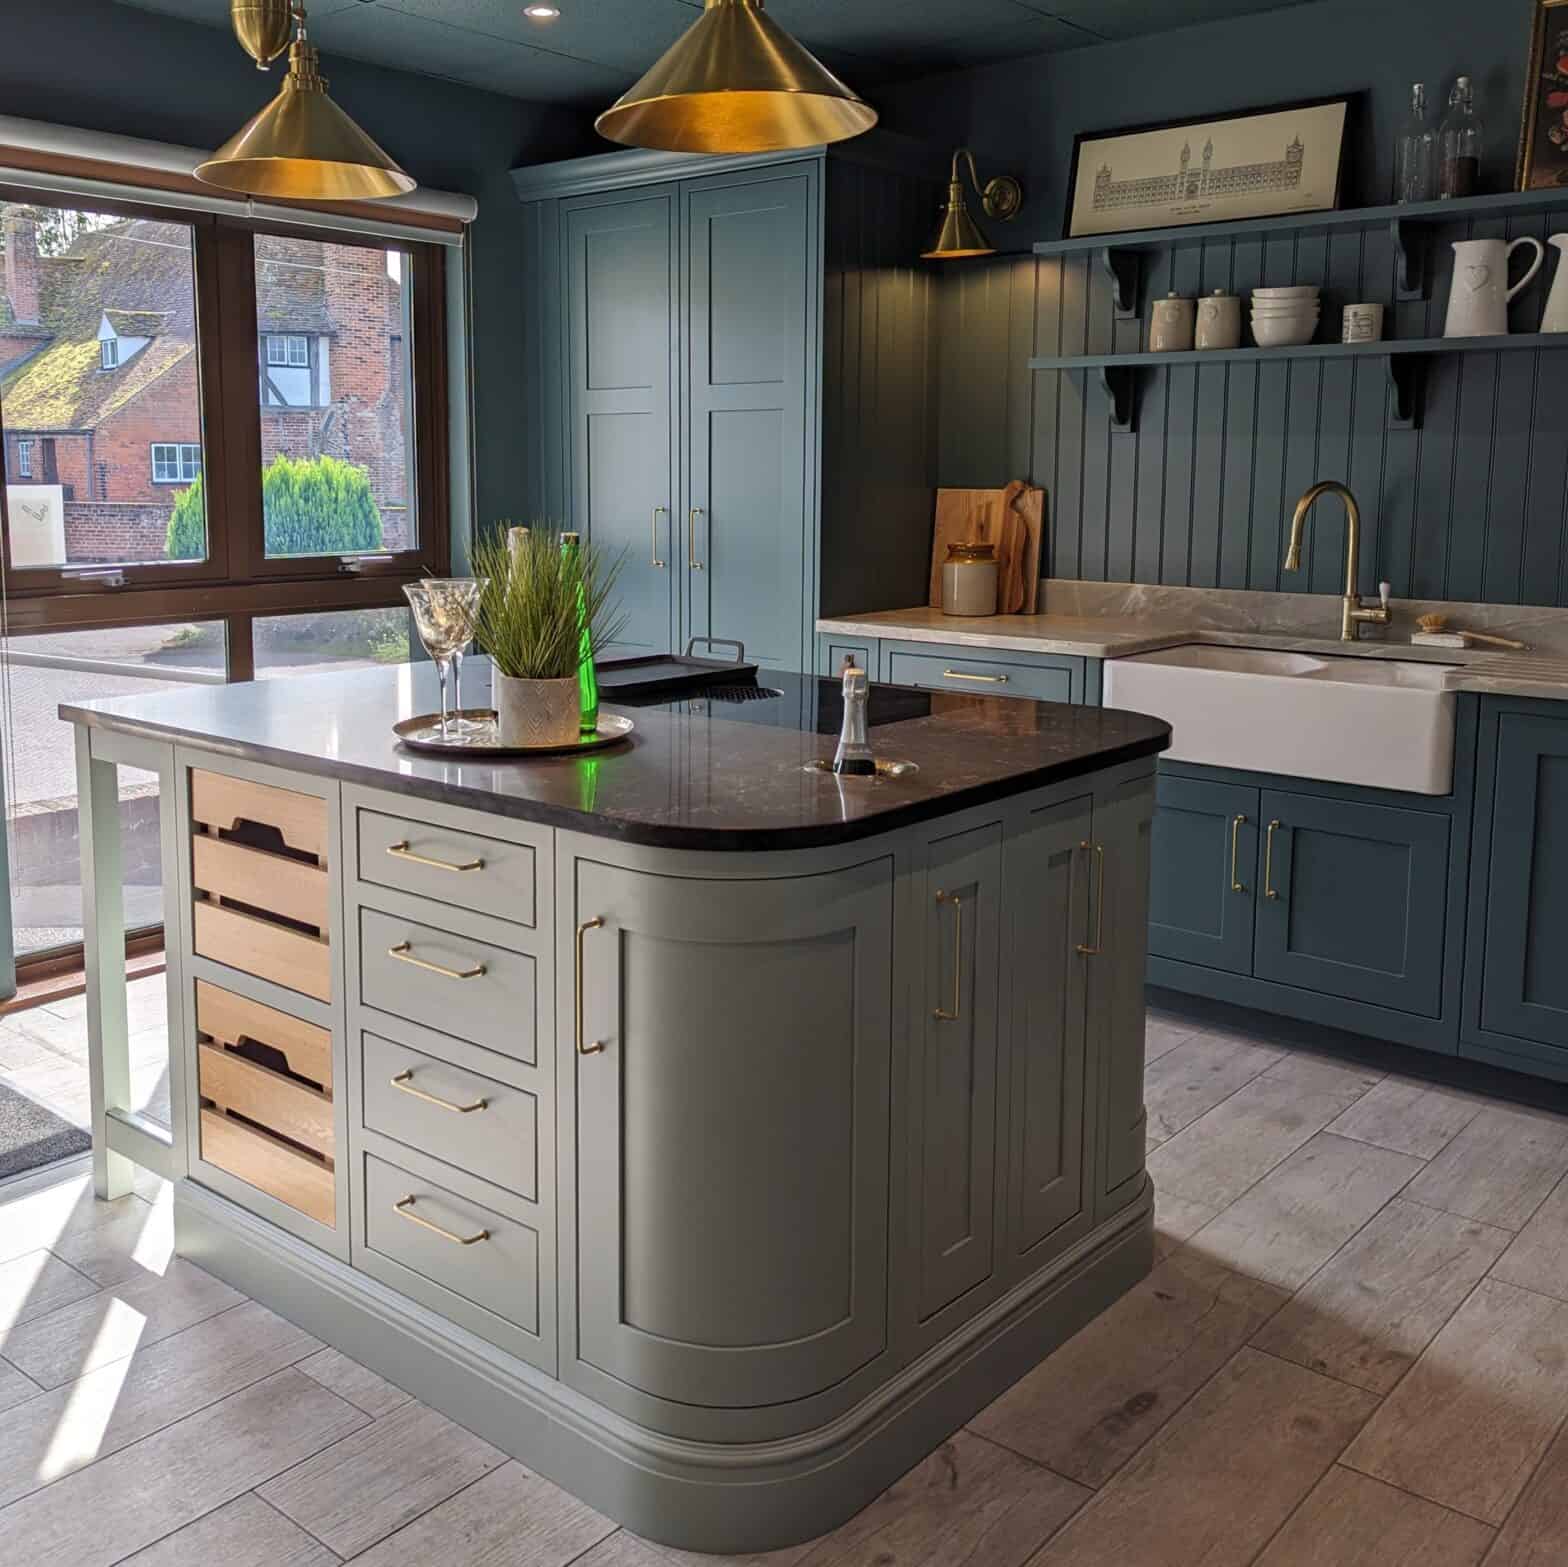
(853, 756)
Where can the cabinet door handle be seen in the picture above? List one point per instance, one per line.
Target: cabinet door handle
(958, 957)
(1268, 861)
(406, 1209)
(402, 953)
(584, 1049)
(1236, 823)
(658, 511)
(1094, 948)
(983, 680)
(404, 1082)
(401, 851)
(691, 538)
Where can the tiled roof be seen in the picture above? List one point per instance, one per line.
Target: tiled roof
(137, 323)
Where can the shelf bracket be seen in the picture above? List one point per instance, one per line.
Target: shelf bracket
(1120, 384)
(1404, 391)
(1409, 259)
(1121, 267)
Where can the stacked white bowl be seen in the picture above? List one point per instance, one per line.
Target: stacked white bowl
(1284, 317)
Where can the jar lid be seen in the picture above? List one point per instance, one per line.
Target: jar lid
(971, 550)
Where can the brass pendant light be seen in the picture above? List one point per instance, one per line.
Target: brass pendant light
(301, 147)
(1001, 197)
(735, 82)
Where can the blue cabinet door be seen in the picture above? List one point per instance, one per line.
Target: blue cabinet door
(1353, 900)
(750, 369)
(1524, 977)
(619, 268)
(1204, 873)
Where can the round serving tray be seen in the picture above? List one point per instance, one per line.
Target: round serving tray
(414, 733)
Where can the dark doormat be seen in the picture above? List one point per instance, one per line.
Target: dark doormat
(32, 1134)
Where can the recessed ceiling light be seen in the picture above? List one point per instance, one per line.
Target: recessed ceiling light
(542, 13)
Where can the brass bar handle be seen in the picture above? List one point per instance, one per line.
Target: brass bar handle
(1236, 824)
(958, 957)
(584, 1049)
(401, 851)
(691, 538)
(1268, 861)
(657, 511)
(405, 1208)
(1093, 949)
(404, 1081)
(983, 680)
(403, 954)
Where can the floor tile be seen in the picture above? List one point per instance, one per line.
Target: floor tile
(242, 1533)
(72, 1426)
(1473, 1416)
(36, 1283)
(511, 1515)
(1163, 1032)
(113, 1508)
(1221, 1478)
(1194, 1077)
(1409, 1117)
(372, 1483)
(1538, 1257)
(73, 1340)
(1536, 1534)
(1498, 1169)
(1221, 1154)
(1175, 1220)
(48, 1219)
(14, 1387)
(1350, 1520)
(134, 1239)
(358, 1384)
(626, 1550)
(1088, 1407)
(1371, 1310)
(1304, 1209)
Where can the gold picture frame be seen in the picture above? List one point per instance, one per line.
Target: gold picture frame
(1543, 131)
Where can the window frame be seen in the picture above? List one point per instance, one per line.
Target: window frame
(108, 353)
(289, 339)
(179, 448)
(24, 456)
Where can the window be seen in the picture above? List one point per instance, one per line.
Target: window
(288, 349)
(176, 462)
(24, 459)
(109, 353)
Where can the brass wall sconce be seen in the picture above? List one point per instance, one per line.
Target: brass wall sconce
(1001, 198)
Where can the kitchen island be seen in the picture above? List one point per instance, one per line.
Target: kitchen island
(712, 1133)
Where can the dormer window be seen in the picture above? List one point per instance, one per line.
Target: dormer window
(109, 353)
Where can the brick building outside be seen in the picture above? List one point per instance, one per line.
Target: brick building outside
(98, 373)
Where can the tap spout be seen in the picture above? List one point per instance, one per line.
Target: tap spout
(1353, 609)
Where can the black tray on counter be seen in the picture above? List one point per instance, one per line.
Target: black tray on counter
(653, 673)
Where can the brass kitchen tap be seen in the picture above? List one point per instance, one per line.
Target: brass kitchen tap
(1354, 610)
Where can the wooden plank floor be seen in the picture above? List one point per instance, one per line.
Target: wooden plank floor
(1353, 1352)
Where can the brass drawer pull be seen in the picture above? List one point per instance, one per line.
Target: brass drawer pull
(405, 1081)
(401, 851)
(691, 549)
(657, 511)
(582, 930)
(402, 953)
(1094, 949)
(958, 956)
(405, 1208)
(1268, 861)
(984, 680)
(1235, 834)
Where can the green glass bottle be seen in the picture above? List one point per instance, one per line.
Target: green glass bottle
(587, 681)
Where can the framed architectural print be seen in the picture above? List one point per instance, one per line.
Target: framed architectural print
(1543, 139)
(1251, 164)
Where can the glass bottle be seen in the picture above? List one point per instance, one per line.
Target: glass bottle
(1415, 152)
(587, 681)
(1459, 145)
(853, 756)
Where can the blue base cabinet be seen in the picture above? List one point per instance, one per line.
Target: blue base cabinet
(937, 666)
(1202, 900)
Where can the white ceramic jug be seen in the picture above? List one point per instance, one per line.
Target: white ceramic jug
(1478, 299)
(1555, 318)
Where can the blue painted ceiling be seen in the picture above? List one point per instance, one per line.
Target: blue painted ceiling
(596, 48)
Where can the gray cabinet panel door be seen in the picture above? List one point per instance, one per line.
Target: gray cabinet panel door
(1047, 913)
(748, 259)
(732, 1131)
(619, 269)
(1203, 878)
(1524, 986)
(1359, 899)
(954, 1030)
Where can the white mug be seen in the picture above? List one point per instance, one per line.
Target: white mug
(1362, 324)
(1555, 317)
(1478, 298)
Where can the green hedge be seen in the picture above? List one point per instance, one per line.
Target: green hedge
(312, 506)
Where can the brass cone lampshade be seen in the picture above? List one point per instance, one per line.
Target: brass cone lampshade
(302, 147)
(959, 235)
(736, 82)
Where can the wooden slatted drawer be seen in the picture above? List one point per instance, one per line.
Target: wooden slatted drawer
(225, 803)
(489, 875)
(269, 1164)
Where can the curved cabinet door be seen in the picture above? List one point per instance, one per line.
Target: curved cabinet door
(732, 1131)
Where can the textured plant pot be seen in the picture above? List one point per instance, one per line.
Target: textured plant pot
(537, 712)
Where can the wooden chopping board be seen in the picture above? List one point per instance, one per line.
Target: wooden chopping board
(1013, 519)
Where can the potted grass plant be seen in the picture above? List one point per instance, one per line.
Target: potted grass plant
(541, 608)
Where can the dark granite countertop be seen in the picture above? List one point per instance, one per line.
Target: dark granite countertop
(688, 779)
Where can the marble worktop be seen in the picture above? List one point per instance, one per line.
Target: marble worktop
(1121, 620)
(686, 779)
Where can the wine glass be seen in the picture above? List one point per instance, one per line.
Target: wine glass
(445, 609)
